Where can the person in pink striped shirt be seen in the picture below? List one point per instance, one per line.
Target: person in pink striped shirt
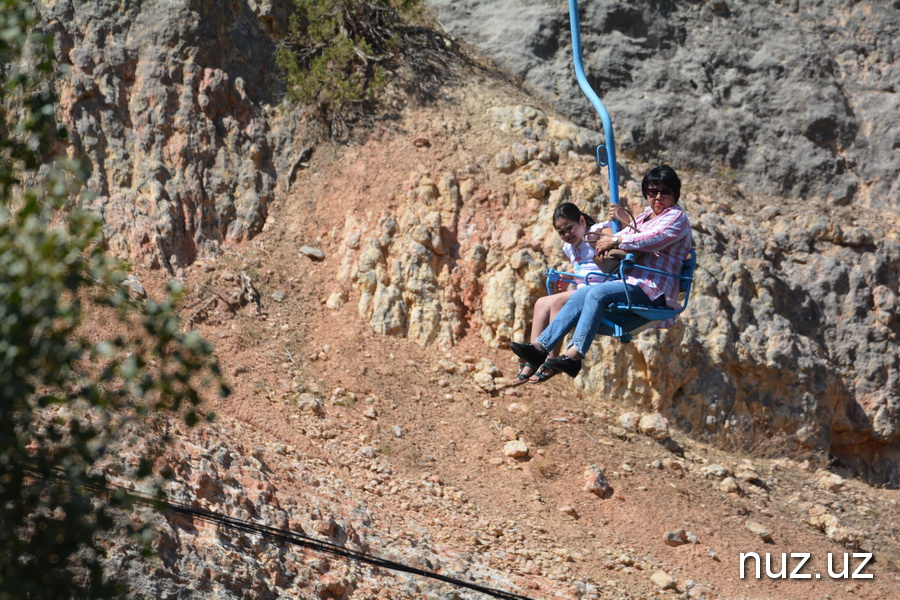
(663, 242)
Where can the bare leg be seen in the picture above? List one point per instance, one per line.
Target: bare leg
(541, 319)
(542, 310)
(545, 310)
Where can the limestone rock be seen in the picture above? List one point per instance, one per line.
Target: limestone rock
(715, 471)
(828, 523)
(312, 252)
(595, 482)
(175, 130)
(831, 482)
(662, 579)
(729, 485)
(515, 449)
(655, 426)
(484, 381)
(310, 403)
(761, 530)
(845, 108)
(133, 284)
(748, 473)
(676, 538)
(336, 300)
(629, 421)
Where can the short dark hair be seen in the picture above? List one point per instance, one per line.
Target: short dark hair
(662, 175)
(569, 211)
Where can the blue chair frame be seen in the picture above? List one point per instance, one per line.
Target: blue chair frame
(626, 318)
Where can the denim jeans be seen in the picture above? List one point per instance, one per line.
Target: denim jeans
(584, 310)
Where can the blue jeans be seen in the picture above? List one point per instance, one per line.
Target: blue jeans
(584, 310)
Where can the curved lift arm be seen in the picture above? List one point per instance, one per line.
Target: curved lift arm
(610, 147)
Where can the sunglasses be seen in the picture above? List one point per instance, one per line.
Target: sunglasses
(662, 193)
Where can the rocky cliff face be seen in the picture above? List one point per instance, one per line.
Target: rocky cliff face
(797, 98)
(792, 331)
(466, 252)
(169, 102)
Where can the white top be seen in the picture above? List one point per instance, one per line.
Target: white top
(582, 255)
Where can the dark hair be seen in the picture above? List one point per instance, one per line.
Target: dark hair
(662, 175)
(569, 211)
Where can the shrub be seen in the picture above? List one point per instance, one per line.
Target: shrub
(67, 395)
(334, 55)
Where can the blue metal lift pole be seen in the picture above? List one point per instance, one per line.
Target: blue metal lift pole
(610, 147)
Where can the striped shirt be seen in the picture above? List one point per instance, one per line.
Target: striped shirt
(663, 243)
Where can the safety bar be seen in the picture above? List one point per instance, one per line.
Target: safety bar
(593, 277)
(628, 263)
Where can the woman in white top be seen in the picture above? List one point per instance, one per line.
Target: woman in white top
(571, 224)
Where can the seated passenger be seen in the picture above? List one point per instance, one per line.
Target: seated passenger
(571, 224)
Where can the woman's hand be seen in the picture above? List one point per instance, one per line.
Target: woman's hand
(604, 245)
(562, 285)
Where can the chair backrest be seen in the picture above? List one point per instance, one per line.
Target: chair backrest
(687, 271)
(687, 277)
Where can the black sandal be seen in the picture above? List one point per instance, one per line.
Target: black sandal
(528, 353)
(544, 373)
(521, 377)
(563, 363)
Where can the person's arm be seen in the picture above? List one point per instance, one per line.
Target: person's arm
(657, 233)
(563, 283)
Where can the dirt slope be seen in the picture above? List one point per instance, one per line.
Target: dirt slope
(417, 410)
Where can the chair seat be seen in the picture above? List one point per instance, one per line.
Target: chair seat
(652, 313)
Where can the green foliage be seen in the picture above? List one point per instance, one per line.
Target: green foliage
(68, 393)
(27, 134)
(333, 55)
(728, 179)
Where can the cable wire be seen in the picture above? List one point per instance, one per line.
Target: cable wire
(287, 536)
